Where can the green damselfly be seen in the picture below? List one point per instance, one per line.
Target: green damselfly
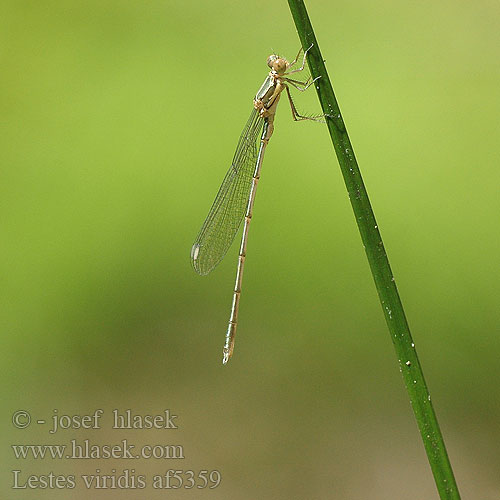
(236, 196)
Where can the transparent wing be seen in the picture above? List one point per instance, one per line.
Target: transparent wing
(227, 212)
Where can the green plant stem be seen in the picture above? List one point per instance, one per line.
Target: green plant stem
(379, 263)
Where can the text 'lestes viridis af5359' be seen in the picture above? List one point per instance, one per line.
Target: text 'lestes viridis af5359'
(235, 199)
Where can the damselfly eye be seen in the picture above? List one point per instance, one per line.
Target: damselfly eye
(279, 65)
(271, 59)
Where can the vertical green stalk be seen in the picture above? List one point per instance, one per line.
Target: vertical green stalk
(379, 263)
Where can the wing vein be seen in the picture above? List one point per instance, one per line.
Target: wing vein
(229, 207)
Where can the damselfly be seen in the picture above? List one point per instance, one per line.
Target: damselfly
(235, 199)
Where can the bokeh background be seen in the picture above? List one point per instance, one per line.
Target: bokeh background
(118, 121)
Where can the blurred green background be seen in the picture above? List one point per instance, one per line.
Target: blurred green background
(118, 121)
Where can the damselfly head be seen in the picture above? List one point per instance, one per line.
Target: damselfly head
(277, 63)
